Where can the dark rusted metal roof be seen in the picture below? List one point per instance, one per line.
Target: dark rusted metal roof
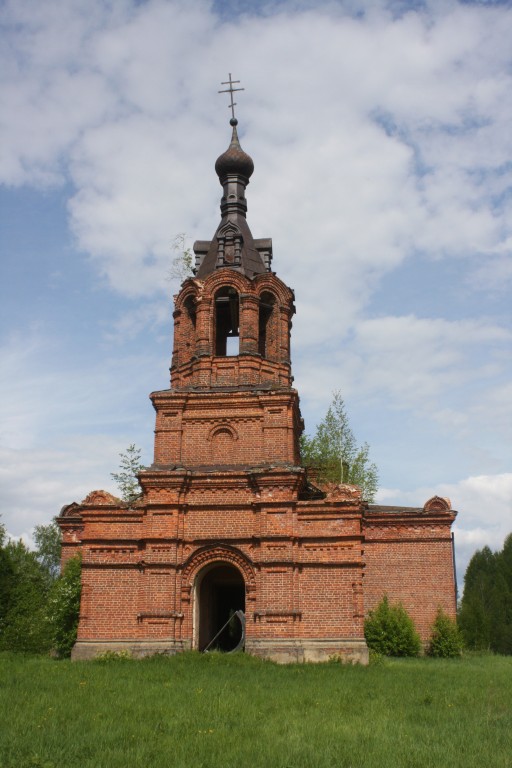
(234, 160)
(233, 245)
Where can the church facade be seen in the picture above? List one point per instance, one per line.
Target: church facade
(230, 545)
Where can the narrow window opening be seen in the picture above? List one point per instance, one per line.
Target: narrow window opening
(191, 310)
(187, 329)
(189, 326)
(226, 322)
(267, 302)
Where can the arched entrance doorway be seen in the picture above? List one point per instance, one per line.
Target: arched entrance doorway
(220, 593)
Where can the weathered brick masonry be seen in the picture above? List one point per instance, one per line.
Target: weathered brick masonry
(228, 520)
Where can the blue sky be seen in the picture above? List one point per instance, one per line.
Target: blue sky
(381, 136)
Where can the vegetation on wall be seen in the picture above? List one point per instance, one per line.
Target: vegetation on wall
(333, 455)
(183, 261)
(127, 477)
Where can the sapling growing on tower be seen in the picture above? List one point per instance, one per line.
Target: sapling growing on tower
(126, 479)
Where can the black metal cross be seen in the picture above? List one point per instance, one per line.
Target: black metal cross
(231, 91)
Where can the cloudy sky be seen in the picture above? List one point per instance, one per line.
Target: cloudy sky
(382, 139)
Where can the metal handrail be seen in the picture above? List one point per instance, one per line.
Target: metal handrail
(241, 617)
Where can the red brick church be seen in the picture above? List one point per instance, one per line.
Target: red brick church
(230, 545)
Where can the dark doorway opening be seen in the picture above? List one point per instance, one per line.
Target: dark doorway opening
(221, 594)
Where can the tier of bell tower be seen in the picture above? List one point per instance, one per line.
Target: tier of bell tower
(231, 401)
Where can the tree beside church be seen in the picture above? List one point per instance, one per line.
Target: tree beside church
(485, 615)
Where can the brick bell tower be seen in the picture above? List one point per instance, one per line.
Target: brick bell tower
(226, 488)
(229, 546)
(231, 403)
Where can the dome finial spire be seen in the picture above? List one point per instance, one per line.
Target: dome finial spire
(233, 245)
(234, 161)
(231, 91)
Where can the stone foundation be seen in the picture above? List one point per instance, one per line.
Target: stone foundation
(85, 650)
(281, 651)
(309, 650)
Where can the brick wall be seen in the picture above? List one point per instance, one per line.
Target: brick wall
(408, 556)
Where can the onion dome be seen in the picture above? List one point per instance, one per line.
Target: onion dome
(234, 160)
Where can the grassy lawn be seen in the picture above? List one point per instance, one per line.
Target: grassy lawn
(235, 711)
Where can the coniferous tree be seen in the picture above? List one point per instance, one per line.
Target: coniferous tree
(474, 614)
(502, 605)
(485, 615)
(6, 580)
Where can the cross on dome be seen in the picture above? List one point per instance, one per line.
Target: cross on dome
(231, 91)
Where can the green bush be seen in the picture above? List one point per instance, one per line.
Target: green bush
(446, 641)
(64, 607)
(389, 630)
(23, 623)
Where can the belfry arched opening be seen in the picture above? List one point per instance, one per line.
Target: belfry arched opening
(220, 597)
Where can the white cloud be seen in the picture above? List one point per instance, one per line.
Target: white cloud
(495, 273)
(121, 106)
(449, 372)
(485, 511)
(376, 136)
(50, 94)
(36, 483)
(64, 422)
(46, 392)
(415, 359)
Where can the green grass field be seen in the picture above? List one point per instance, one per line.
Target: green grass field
(225, 711)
